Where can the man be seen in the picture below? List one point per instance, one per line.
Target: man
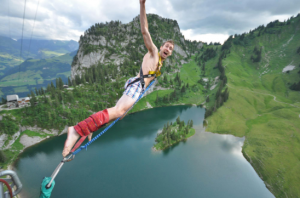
(152, 63)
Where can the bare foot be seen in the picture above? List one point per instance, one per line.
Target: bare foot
(70, 141)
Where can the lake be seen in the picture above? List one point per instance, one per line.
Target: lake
(121, 163)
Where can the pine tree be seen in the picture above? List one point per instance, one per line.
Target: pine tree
(56, 101)
(165, 79)
(215, 107)
(186, 130)
(42, 91)
(182, 89)
(191, 123)
(77, 80)
(207, 99)
(69, 82)
(36, 91)
(45, 99)
(178, 120)
(3, 157)
(33, 98)
(60, 84)
(83, 80)
(57, 83)
(52, 85)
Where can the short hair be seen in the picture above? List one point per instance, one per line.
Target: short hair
(169, 41)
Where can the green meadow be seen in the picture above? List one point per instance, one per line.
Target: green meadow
(262, 108)
(49, 54)
(36, 72)
(8, 60)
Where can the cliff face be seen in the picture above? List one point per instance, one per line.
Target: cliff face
(114, 42)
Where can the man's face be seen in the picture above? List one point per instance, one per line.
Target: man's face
(166, 50)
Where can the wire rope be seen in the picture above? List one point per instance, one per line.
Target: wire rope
(22, 41)
(33, 25)
(8, 10)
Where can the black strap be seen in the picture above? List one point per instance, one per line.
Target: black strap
(141, 78)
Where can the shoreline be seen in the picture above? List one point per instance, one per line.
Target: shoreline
(55, 132)
(29, 141)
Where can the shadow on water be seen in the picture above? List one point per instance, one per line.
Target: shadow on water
(168, 150)
(204, 123)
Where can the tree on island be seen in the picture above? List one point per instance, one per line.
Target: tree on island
(173, 133)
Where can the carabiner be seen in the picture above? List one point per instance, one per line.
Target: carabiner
(69, 157)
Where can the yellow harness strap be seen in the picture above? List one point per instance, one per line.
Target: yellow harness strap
(158, 73)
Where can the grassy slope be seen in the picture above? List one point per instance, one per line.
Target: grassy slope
(271, 127)
(8, 60)
(20, 81)
(189, 73)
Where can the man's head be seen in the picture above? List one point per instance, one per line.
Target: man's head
(166, 49)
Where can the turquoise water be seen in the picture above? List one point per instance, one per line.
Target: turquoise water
(121, 163)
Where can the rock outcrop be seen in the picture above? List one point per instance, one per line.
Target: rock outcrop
(113, 42)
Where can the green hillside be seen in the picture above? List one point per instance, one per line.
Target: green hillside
(35, 73)
(262, 107)
(10, 55)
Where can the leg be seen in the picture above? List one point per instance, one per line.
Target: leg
(124, 103)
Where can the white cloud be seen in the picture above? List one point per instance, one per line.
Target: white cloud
(191, 35)
(210, 20)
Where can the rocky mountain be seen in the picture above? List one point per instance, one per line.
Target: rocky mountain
(115, 43)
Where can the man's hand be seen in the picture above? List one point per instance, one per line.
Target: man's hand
(145, 31)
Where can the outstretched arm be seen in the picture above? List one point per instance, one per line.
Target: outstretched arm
(144, 28)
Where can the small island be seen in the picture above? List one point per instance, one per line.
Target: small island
(173, 133)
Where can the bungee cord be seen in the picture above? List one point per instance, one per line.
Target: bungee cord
(71, 156)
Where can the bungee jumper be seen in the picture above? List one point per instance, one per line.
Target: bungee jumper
(151, 65)
(135, 88)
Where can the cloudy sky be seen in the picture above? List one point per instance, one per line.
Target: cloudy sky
(202, 20)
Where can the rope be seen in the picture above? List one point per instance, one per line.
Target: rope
(8, 187)
(33, 26)
(9, 24)
(87, 144)
(22, 39)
